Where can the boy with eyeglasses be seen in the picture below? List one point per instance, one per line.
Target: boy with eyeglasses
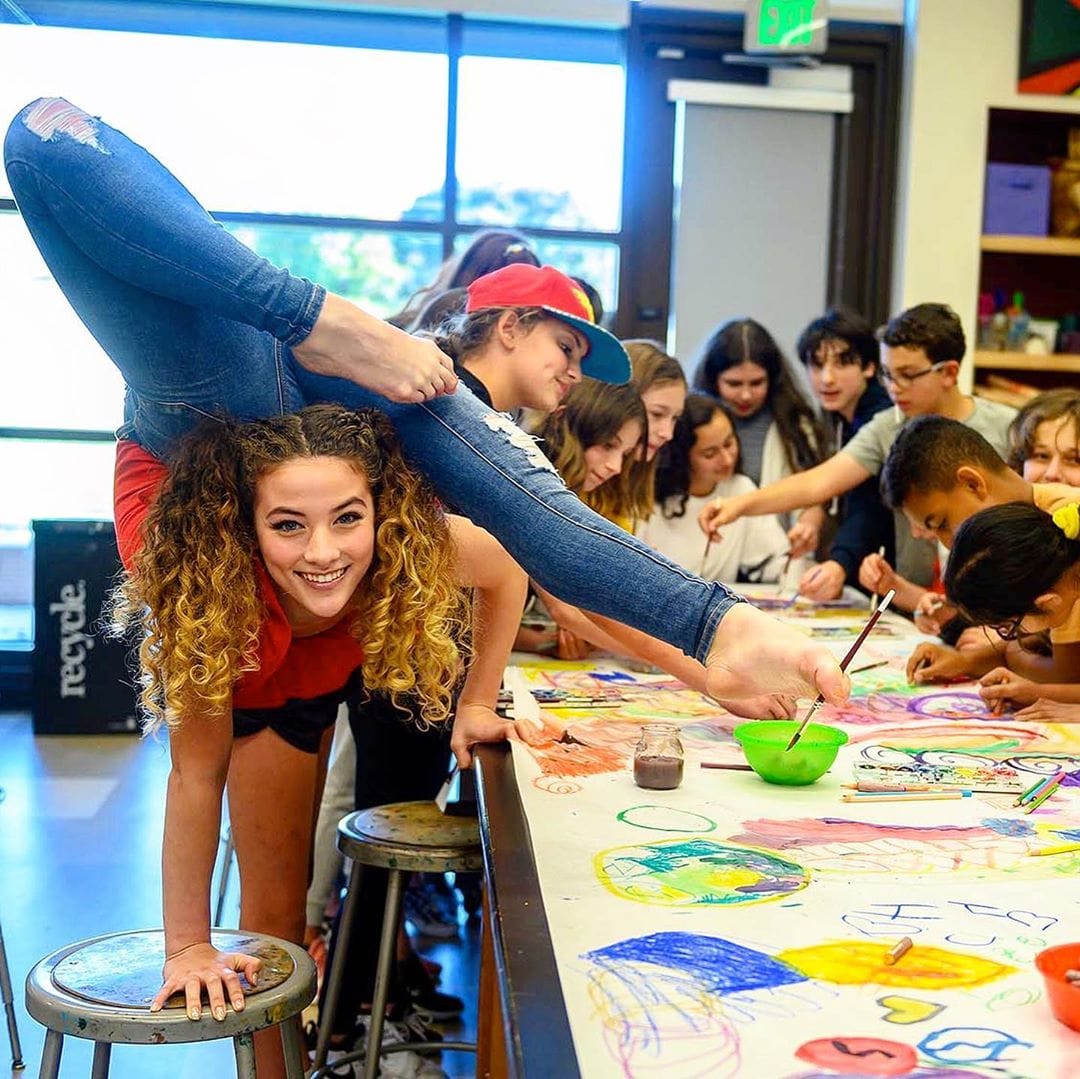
(921, 352)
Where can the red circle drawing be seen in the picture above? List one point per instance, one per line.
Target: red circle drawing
(859, 1056)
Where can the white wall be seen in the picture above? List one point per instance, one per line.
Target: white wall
(962, 60)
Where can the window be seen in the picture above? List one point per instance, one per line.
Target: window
(318, 138)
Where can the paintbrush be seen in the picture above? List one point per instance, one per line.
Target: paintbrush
(783, 575)
(705, 556)
(820, 700)
(870, 667)
(873, 598)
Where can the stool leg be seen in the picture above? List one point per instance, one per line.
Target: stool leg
(100, 1069)
(244, 1047)
(223, 882)
(50, 1055)
(295, 1057)
(9, 1007)
(391, 921)
(336, 973)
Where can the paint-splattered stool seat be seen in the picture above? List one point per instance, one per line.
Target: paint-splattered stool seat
(101, 989)
(405, 837)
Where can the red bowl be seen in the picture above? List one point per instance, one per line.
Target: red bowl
(1064, 996)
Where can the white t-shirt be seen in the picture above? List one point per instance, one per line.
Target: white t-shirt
(757, 546)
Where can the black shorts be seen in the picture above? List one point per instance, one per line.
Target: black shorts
(300, 723)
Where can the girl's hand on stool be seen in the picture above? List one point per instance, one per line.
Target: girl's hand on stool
(201, 964)
(475, 723)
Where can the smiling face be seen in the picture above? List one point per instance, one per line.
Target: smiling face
(837, 377)
(743, 388)
(664, 402)
(606, 459)
(545, 362)
(1054, 457)
(713, 455)
(315, 526)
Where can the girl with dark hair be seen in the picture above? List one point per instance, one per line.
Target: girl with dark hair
(1037, 557)
(1016, 568)
(488, 250)
(778, 431)
(702, 462)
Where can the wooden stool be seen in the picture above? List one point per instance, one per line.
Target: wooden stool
(101, 989)
(9, 1008)
(406, 837)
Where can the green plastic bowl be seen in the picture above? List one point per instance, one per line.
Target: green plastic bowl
(764, 742)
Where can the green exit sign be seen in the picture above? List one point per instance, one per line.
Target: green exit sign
(786, 26)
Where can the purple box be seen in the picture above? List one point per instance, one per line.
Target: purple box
(1017, 200)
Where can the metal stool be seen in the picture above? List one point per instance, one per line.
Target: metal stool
(406, 837)
(101, 989)
(9, 1008)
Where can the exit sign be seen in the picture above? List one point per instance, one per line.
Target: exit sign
(786, 26)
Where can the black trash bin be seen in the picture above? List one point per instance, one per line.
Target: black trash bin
(81, 680)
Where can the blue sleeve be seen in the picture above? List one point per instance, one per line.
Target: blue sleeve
(866, 525)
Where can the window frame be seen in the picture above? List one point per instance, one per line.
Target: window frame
(453, 35)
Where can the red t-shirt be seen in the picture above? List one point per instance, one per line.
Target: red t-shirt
(290, 668)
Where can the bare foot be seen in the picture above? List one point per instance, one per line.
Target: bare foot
(348, 343)
(753, 653)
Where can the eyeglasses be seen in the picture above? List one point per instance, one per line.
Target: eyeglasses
(902, 382)
(1012, 630)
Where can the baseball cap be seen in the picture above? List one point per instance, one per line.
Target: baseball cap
(522, 285)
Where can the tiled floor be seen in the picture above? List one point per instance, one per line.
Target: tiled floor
(80, 836)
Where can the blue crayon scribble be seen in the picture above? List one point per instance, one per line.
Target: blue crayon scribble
(715, 964)
(969, 1045)
(1006, 826)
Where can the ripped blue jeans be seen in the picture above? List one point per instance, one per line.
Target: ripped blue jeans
(200, 326)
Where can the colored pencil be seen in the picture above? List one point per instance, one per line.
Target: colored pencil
(1060, 848)
(899, 950)
(820, 700)
(1032, 790)
(917, 796)
(1045, 793)
(885, 787)
(727, 767)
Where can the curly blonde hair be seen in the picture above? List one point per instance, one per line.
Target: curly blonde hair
(193, 590)
(591, 414)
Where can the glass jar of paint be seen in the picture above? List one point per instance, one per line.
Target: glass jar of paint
(658, 757)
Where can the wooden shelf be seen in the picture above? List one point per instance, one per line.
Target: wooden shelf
(1032, 245)
(1024, 361)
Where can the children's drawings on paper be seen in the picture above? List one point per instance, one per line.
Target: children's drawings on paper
(972, 1045)
(903, 1011)
(666, 819)
(856, 962)
(699, 975)
(859, 1056)
(698, 871)
(840, 846)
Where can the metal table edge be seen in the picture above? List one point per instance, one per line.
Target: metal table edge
(538, 1036)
